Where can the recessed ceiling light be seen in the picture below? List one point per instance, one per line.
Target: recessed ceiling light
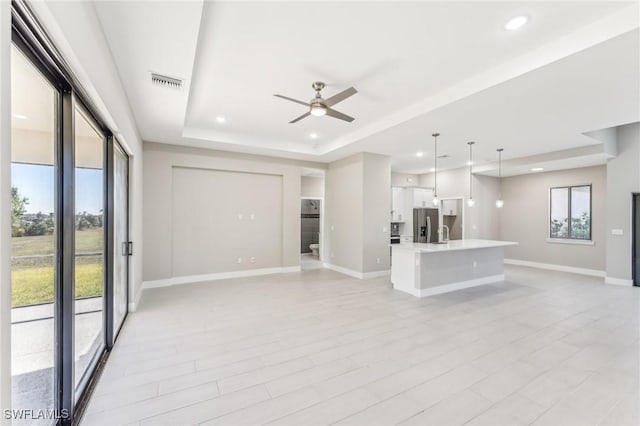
(19, 116)
(419, 154)
(221, 119)
(433, 169)
(313, 135)
(515, 23)
(469, 163)
(537, 169)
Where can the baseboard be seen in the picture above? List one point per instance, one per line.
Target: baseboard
(618, 281)
(190, 279)
(346, 271)
(376, 274)
(554, 267)
(447, 288)
(356, 274)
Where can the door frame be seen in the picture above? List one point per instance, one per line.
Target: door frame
(635, 229)
(321, 237)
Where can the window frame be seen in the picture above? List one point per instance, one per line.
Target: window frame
(569, 239)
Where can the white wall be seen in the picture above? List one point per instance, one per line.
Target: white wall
(483, 219)
(77, 33)
(312, 187)
(623, 178)
(357, 212)
(5, 207)
(525, 218)
(159, 163)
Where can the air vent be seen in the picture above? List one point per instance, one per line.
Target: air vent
(166, 81)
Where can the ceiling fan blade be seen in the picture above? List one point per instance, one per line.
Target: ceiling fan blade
(292, 100)
(305, 115)
(335, 114)
(340, 96)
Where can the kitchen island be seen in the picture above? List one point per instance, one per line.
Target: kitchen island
(428, 269)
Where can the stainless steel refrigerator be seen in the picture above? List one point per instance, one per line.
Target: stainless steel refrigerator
(425, 225)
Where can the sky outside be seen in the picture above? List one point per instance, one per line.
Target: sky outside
(36, 183)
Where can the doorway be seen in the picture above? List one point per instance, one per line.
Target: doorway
(310, 222)
(635, 252)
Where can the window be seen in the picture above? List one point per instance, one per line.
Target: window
(570, 213)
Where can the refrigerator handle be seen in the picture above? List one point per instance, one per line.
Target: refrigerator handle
(428, 229)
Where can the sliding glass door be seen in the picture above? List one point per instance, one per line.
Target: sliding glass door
(33, 233)
(69, 230)
(121, 236)
(89, 245)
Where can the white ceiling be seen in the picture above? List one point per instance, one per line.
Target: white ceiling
(419, 67)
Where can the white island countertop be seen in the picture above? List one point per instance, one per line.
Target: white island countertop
(452, 245)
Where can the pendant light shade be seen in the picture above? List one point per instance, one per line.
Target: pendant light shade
(500, 201)
(471, 202)
(435, 168)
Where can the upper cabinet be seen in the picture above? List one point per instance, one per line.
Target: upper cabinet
(397, 204)
(450, 207)
(404, 200)
(422, 197)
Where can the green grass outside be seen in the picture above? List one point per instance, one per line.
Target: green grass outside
(32, 279)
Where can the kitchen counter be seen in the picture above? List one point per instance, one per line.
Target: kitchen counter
(429, 269)
(454, 245)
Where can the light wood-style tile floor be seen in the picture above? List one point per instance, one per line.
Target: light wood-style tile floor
(318, 347)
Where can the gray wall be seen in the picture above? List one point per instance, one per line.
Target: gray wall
(404, 179)
(343, 213)
(159, 195)
(480, 221)
(312, 187)
(623, 178)
(525, 216)
(219, 217)
(377, 207)
(357, 206)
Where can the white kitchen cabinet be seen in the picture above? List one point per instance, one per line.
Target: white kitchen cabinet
(397, 204)
(422, 197)
(450, 207)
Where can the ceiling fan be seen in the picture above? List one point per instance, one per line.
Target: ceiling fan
(319, 107)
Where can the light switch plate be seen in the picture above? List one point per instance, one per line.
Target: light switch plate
(617, 232)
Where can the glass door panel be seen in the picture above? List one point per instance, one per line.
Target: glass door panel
(89, 241)
(121, 237)
(33, 232)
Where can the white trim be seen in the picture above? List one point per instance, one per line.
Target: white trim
(346, 271)
(376, 274)
(447, 288)
(618, 281)
(356, 274)
(571, 241)
(189, 279)
(554, 267)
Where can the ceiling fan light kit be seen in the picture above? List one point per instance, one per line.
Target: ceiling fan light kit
(319, 106)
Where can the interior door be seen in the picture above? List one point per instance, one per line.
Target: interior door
(121, 237)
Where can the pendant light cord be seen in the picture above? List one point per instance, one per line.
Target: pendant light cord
(435, 163)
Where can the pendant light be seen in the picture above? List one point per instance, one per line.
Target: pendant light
(500, 201)
(435, 168)
(471, 202)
